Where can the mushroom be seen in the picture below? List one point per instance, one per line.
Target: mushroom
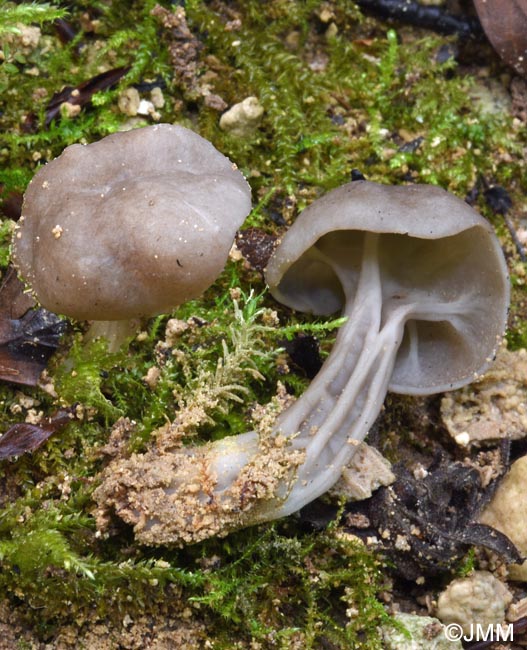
(423, 283)
(129, 226)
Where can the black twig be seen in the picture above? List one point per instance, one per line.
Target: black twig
(413, 13)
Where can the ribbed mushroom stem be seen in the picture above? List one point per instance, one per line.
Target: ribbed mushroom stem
(339, 407)
(343, 401)
(337, 410)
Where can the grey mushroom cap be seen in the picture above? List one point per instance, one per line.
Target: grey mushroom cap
(432, 247)
(131, 225)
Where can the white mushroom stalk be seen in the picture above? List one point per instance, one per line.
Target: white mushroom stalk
(421, 280)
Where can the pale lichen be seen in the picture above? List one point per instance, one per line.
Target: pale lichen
(492, 408)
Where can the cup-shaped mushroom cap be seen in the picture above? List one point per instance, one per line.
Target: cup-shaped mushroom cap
(129, 226)
(435, 254)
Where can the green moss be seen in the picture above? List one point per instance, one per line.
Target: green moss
(329, 107)
(6, 232)
(357, 96)
(12, 15)
(285, 587)
(268, 585)
(80, 378)
(468, 565)
(26, 140)
(517, 331)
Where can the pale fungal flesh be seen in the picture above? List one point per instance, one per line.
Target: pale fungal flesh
(422, 282)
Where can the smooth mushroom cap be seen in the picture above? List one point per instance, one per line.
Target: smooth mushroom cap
(433, 247)
(129, 226)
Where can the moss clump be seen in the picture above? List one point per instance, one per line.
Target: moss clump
(266, 588)
(14, 18)
(309, 590)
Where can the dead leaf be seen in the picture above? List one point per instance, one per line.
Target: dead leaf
(505, 24)
(10, 204)
(28, 337)
(24, 437)
(81, 95)
(14, 300)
